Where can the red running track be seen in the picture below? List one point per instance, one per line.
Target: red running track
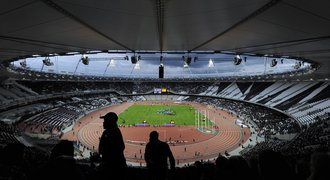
(198, 145)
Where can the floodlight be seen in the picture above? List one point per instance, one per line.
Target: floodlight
(23, 64)
(195, 58)
(47, 62)
(134, 59)
(273, 63)
(185, 65)
(84, 59)
(188, 60)
(237, 60)
(137, 65)
(112, 63)
(211, 64)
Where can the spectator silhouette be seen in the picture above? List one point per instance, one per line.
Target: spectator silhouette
(111, 148)
(253, 163)
(320, 166)
(12, 163)
(62, 163)
(156, 155)
(197, 172)
(63, 148)
(239, 168)
(221, 168)
(273, 166)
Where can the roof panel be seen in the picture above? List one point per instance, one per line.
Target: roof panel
(35, 27)
(191, 23)
(133, 23)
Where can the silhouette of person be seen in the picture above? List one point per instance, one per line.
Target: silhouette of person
(238, 168)
(320, 163)
(12, 163)
(63, 148)
(273, 166)
(111, 148)
(222, 168)
(156, 155)
(62, 163)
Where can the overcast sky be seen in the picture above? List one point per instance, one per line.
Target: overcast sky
(149, 63)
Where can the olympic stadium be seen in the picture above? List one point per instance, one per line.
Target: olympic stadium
(218, 80)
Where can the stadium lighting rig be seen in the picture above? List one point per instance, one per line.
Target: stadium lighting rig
(237, 60)
(186, 58)
(185, 65)
(135, 59)
(23, 63)
(273, 63)
(84, 59)
(297, 65)
(137, 66)
(112, 63)
(186, 61)
(211, 64)
(46, 62)
(195, 58)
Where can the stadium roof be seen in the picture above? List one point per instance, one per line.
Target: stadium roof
(294, 28)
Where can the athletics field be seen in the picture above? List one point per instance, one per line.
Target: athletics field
(157, 114)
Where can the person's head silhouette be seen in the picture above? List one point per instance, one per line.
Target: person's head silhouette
(63, 148)
(12, 153)
(153, 136)
(110, 120)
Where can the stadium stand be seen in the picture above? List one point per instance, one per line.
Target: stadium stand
(271, 80)
(61, 112)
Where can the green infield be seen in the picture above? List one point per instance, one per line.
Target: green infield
(159, 115)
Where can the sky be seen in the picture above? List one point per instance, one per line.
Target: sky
(99, 65)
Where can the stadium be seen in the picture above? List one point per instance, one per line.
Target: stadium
(233, 87)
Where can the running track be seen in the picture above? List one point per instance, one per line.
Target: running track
(89, 128)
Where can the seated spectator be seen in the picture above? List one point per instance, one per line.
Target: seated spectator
(63, 148)
(62, 165)
(221, 168)
(273, 166)
(12, 163)
(320, 166)
(238, 168)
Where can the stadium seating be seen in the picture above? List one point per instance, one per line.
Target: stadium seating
(312, 108)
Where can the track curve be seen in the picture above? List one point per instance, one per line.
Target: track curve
(191, 144)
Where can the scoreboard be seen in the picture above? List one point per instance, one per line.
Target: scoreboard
(161, 91)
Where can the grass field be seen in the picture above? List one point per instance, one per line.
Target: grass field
(158, 114)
